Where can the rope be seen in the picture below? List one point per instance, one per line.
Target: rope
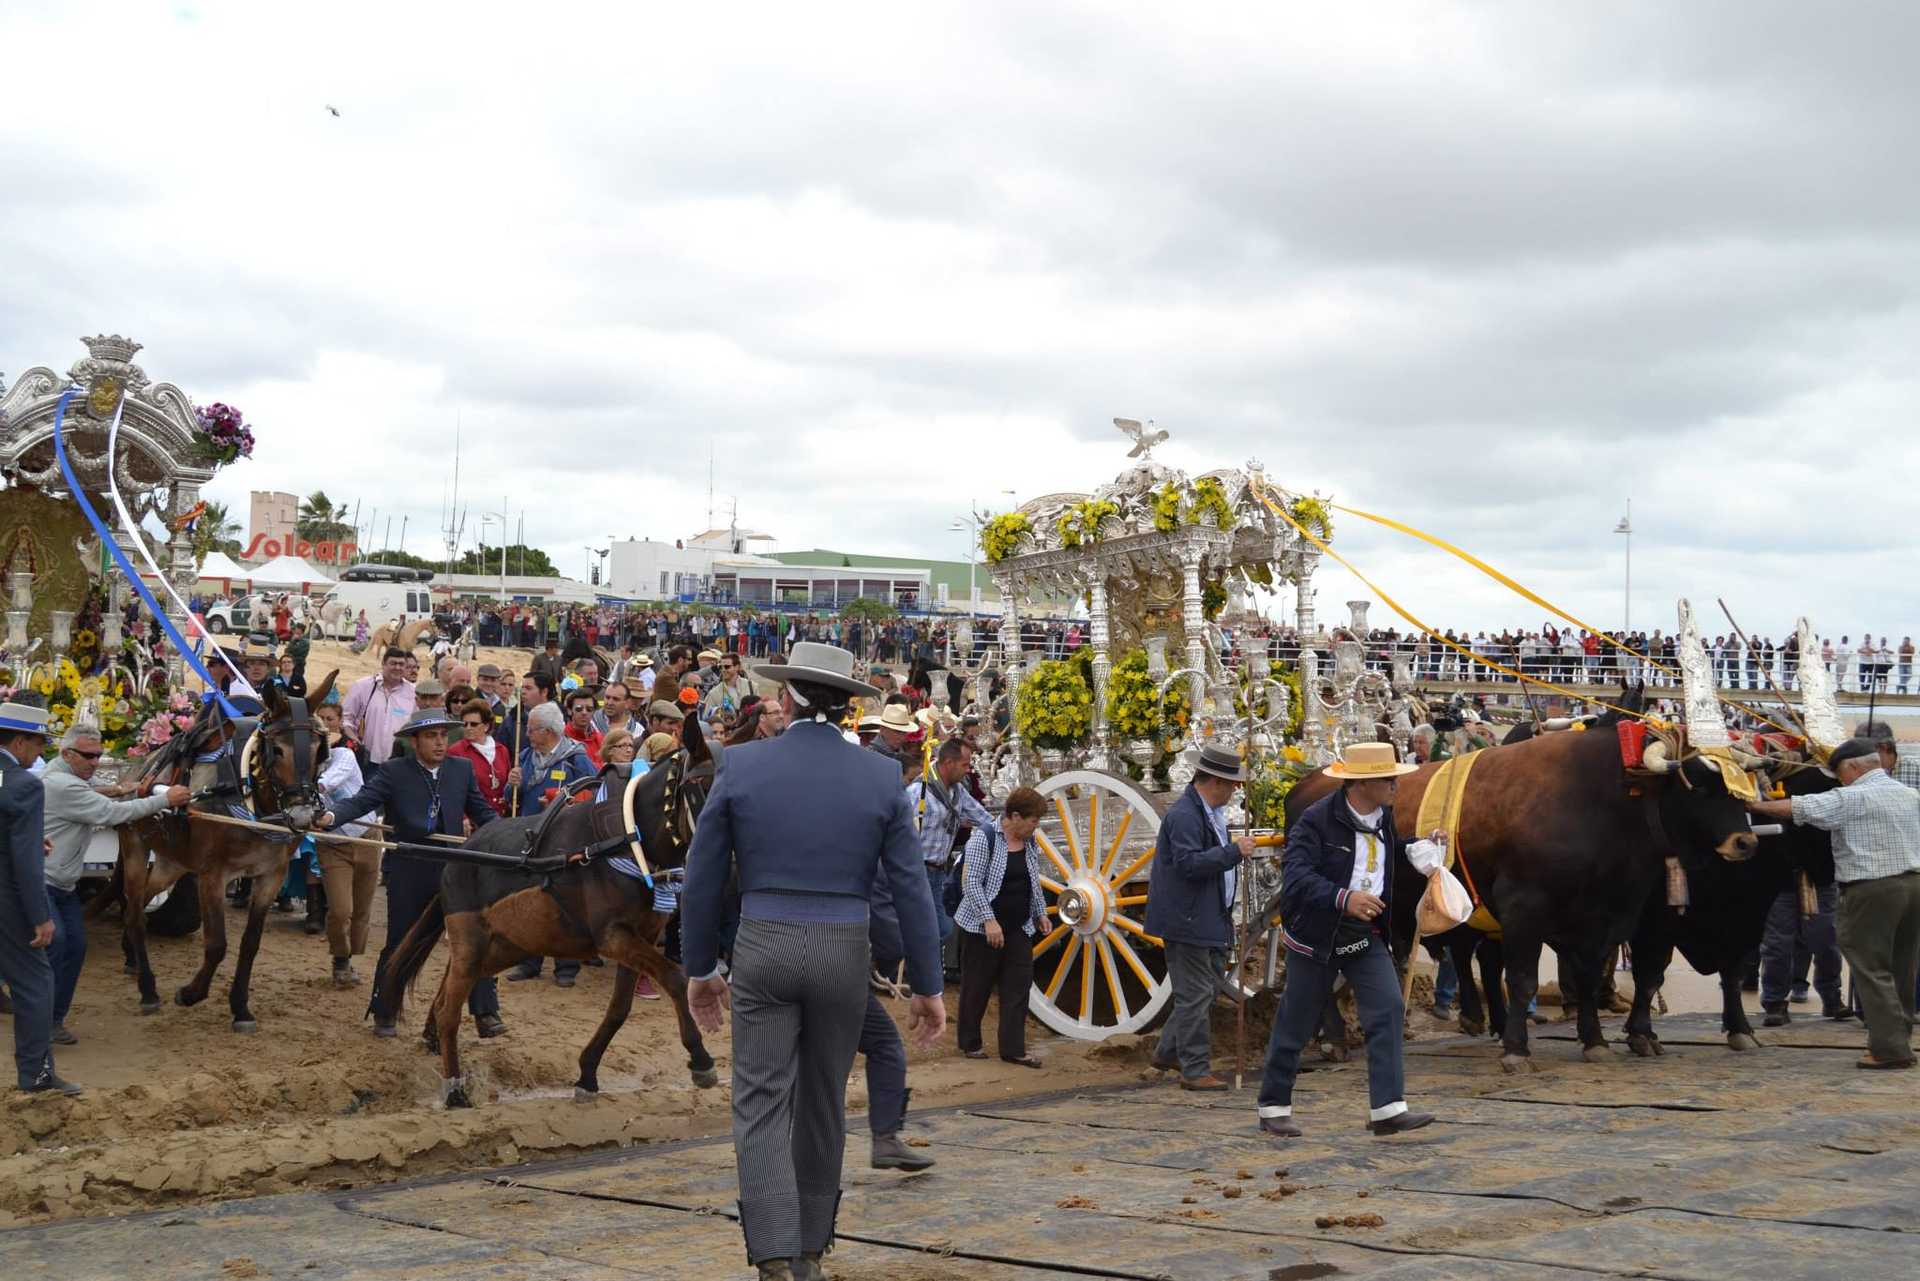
(1260, 493)
(1509, 583)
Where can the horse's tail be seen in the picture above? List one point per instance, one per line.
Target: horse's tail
(411, 956)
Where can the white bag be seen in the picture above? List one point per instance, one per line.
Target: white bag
(1445, 904)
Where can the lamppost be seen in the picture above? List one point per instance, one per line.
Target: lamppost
(970, 525)
(593, 554)
(500, 516)
(1626, 527)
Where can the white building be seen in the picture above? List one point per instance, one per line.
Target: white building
(732, 567)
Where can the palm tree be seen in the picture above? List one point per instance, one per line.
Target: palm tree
(215, 531)
(321, 519)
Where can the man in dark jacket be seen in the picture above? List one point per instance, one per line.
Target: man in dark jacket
(1336, 884)
(421, 794)
(1190, 907)
(27, 926)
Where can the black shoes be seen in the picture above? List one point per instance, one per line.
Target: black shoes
(490, 1026)
(1777, 1016)
(1837, 1012)
(1280, 1127)
(1401, 1124)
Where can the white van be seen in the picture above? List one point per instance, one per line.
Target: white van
(383, 603)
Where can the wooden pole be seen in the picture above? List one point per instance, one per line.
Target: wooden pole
(1767, 671)
(519, 723)
(1246, 917)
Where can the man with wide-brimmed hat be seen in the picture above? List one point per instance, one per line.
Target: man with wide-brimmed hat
(421, 794)
(805, 822)
(1190, 908)
(893, 727)
(1335, 891)
(26, 915)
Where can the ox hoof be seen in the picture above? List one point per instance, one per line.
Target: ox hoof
(1741, 1041)
(246, 1026)
(184, 997)
(150, 1007)
(1473, 1027)
(584, 1094)
(1596, 1053)
(706, 1079)
(1516, 1063)
(458, 1099)
(1334, 1053)
(453, 1093)
(1643, 1044)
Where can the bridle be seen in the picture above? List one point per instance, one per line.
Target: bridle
(304, 792)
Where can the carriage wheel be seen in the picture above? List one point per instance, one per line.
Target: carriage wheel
(1097, 972)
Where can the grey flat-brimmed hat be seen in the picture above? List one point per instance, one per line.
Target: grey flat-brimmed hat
(827, 665)
(428, 718)
(1221, 763)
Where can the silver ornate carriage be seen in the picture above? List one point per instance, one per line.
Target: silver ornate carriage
(1154, 555)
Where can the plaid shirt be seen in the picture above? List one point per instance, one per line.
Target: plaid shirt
(1875, 824)
(1907, 770)
(940, 821)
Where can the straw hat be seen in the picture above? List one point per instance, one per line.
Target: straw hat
(1369, 760)
(896, 716)
(23, 718)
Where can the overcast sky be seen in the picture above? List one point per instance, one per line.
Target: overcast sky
(1485, 268)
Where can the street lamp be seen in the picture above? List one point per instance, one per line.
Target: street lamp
(500, 516)
(1626, 527)
(971, 524)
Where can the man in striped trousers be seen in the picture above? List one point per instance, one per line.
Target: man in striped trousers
(806, 821)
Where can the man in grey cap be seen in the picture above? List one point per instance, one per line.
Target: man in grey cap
(1876, 859)
(26, 918)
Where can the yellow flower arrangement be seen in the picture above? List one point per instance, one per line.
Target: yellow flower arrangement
(1268, 782)
(84, 639)
(1135, 708)
(1166, 508)
(1210, 498)
(1080, 523)
(1314, 513)
(1054, 708)
(1001, 537)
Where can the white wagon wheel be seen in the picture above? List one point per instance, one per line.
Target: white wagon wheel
(1097, 972)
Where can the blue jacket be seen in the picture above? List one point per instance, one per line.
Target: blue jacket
(23, 863)
(808, 813)
(536, 783)
(1187, 892)
(404, 791)
(1317, 869)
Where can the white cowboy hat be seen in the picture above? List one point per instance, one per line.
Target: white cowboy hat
(827, 665)
(1369, 760)
(896, 716)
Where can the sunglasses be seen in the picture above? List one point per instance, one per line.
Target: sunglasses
(85, 756)
(473, 724)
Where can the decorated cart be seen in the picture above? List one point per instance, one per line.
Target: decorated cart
(1110, 733)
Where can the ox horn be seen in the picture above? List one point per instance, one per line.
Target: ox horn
(1654, 759)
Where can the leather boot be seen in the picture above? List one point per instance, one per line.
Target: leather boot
(807, 1268)
(776, 1270)
(890, 1152)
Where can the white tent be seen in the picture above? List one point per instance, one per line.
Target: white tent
(288, 572)
(219, 565)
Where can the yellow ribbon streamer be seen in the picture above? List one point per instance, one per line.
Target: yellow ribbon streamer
(1509, 583)
(1260, 493)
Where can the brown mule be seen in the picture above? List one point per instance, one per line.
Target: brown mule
(285, 768)
(495, 917)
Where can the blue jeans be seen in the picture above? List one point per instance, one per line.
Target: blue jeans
(1446, 983)
(1376, 990)
(69, 949)
(937, 882)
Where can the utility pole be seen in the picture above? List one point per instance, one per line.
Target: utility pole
(1626, 604)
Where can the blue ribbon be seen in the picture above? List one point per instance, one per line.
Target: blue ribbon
(180, 645)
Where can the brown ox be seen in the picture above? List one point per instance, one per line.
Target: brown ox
(1566, 849)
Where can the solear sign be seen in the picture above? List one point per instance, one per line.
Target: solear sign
(263, 547)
